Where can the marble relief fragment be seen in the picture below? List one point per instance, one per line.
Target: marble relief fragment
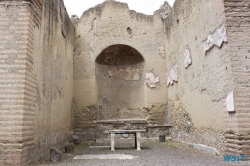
(215, 38)
(173, 76)
(210, 39)
(230, 102)
(222, 32)
(151, 80)
(187, 60)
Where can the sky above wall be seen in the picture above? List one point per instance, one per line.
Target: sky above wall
(142, 6)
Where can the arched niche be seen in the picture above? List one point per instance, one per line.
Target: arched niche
(122, 61)
(120, 82)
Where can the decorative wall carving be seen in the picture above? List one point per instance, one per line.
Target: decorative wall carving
(173, 76)
(151, 80)
(216, 38)
(161, 51)
(222, 32)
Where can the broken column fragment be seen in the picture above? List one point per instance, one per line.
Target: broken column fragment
(164, 10)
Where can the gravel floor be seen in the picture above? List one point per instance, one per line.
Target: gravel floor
(153, 153)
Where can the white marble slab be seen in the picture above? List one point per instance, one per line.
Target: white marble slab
(105, 157)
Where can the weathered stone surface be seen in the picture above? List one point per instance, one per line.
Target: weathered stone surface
(164, 10)
(110, 64)
(69, 147)
(185, 129)
(36, 67)
(161, 51)
(173, 75)
(187, 60)
(162, 138)
(75, 19)
(215, 39)
(43, 56)
(126, 72)
(151, 80)
(104, 126)
(55, 155)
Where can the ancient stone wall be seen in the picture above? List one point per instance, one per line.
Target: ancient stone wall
(18, 19)
(54, 70)
(199, 71)
(121, 69)
(237, 23)
(36, 77)
(109, 87)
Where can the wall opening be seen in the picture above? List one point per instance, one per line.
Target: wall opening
(122, 61)
(120, 81)
(119, 55)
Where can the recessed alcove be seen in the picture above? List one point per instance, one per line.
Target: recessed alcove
(121, 61)
(120, 81)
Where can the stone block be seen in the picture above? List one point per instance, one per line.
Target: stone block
(55, 154)
(162, 138)
(69, 147)
(76, 139)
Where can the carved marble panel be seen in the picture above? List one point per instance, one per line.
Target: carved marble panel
(215, 38)
(151, 80)
(173, 76)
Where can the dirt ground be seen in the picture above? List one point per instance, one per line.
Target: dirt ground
(153, 153)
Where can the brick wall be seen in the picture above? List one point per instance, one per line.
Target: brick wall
(238, 26)
(17, 80)
(36, 79)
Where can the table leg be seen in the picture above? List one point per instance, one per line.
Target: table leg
(112, 141)
(135, 140)
(138, 139)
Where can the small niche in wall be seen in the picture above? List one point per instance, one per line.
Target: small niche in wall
(129, 30)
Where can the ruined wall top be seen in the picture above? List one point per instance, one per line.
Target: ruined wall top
(164, 10)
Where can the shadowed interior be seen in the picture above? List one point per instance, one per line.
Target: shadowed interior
(119, 55)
